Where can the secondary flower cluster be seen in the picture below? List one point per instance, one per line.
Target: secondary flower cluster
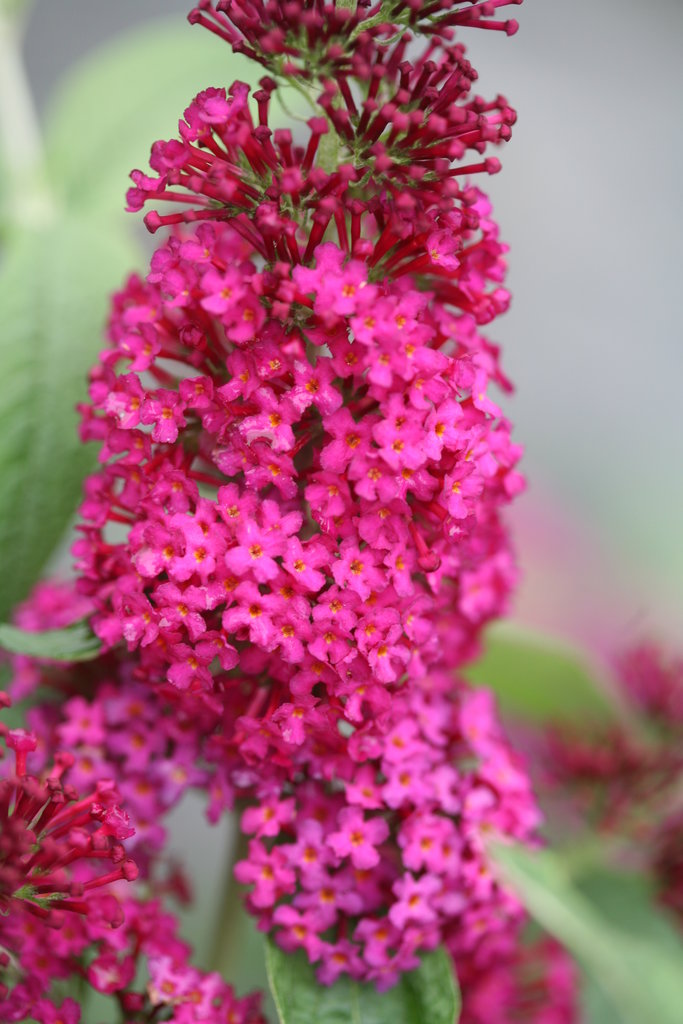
(175, 991)
(63, 874)
(628, 783)
(59, 856)
(51, 838)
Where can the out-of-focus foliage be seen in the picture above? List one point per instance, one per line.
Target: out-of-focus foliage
(110, 109)
(632, 956)
(73, 643)
(53, 298)
(537, 678)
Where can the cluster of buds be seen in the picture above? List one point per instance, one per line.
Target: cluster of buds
(52, 840)
(326, 39)
(63, 869)
(60, 855)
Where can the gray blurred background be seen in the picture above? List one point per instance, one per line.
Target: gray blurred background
(590, 202)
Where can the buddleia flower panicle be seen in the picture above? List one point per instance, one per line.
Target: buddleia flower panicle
(297, 521)
(295, 535)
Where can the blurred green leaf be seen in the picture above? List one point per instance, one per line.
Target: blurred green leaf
(53, 300)
(627, 903)
(123, 97)
(537, 678)
(12, 8)
(633, 959)
(427, 995)
(73, 643)
(595, 1007)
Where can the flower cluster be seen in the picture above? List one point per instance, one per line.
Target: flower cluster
(327, 39)
(297, 522)
(295, 536)
(626, 781)
(49, 835)
(63, 863)
(324, 497)
(60, 855)
(534, 983)
(176, 991)
(364, 874)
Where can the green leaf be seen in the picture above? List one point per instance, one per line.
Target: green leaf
(627, 902)
(13, 8)
(73, 643)
(53, 300)
(595, 1007)
(633, 959)
(539, 678)
(125, 96)
(428, 994)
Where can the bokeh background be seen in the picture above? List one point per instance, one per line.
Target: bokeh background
(591, 203)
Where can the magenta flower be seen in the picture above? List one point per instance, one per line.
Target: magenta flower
(47, 830)
(267, 872)
(307, 474)
(415, 900)
(357, 838)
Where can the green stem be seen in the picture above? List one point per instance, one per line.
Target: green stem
(228, 926)
(294, 84)
(27, 201)
(328, 150)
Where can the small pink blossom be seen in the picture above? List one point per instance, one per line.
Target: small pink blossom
(358, 838)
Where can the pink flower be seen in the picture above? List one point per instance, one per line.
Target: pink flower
(356, 569)
(442, 247)
(415, 900)
(299, 931)
(108, 974)
(302, 563)
(357, 838)
(164, 409)
(351, 441)
(313, 386)
(267, 872)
